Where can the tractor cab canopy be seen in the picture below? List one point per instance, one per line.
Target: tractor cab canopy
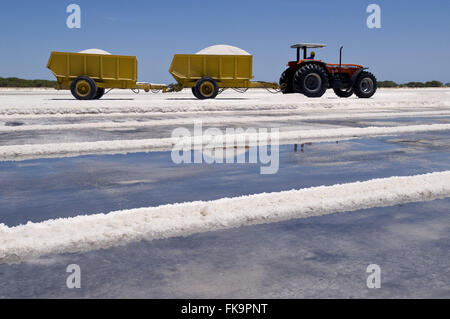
(305, 47)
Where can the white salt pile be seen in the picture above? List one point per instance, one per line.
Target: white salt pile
(95, 51)
(223, 49)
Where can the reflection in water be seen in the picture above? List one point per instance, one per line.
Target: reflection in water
(302, 147)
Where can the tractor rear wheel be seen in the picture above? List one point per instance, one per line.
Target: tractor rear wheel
(206, 88)
(343, 93)
(311, 80)
(83, 88)
(366, 85)
(286, 82)
(100, 93)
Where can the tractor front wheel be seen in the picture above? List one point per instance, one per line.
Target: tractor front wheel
(206, 88)
(286, 82)
(343, 93)
(366, 85)
(311, 80)
(83, 88)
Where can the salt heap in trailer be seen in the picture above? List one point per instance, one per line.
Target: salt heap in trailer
(223, 49)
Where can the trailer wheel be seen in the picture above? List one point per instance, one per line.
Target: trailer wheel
(100, 93)
(206, 88)
(83, 88)
(311, 80)
(366, 85)
(194, 91)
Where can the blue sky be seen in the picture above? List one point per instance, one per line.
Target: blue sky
(412, 45)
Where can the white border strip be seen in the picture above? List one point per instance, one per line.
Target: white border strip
(86, 233)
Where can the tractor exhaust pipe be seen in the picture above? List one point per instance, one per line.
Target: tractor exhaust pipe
(340, 59)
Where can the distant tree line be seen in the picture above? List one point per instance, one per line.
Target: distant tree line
(21, 83)
(392, 84)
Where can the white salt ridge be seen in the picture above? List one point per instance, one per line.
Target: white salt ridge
(252, 115)
(223, 49)
(93, 232)
(167, 106)
(254, 100)
(32, 151)
(205, 120)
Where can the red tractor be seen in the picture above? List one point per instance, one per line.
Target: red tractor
(313, 77)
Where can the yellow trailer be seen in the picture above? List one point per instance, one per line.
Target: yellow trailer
(87, 75)
(206, 74)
